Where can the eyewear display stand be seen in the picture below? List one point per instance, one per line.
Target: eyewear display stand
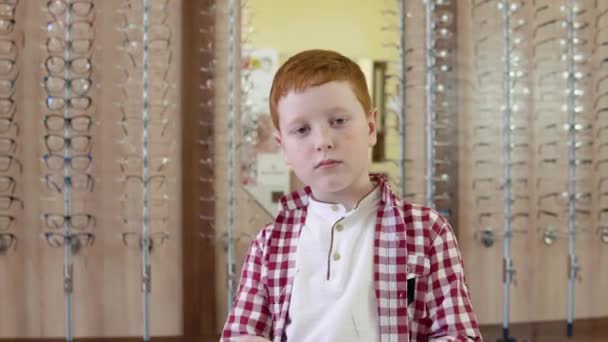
(431, 114)
(573, 267)
(9, 130)
(439, 88)
(60, 157)
(434, 78)
(401, 102)
(146, 268)
(233, 38)
(155, 48)
(68, 276)
(75, 147)
(508, 268)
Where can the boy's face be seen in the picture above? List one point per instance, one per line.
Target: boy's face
(325, 135)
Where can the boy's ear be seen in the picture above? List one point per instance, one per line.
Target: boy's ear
(372, 127)
(277, 138)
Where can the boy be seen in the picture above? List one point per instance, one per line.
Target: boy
(345, 259)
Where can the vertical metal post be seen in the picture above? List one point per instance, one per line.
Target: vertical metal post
(430, 98)
(573, 267)
(145, 233)
(68, 279)
(402, 94)
(506, 135)
(232, 39)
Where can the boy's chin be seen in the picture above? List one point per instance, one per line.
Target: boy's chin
(330, 185)
(333, 182)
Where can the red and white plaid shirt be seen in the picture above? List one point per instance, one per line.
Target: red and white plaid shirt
(409, 241)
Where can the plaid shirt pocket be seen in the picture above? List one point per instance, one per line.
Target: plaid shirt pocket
(413, 292)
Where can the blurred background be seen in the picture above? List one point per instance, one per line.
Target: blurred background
(137, 158)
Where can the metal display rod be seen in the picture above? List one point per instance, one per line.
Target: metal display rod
(508, 269)
(573, 266)
(68, 280)
(145, 232)
(232, 39)
(430, 98)
(402, 93)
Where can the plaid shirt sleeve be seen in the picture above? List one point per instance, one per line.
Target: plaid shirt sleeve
(250, 313)
(449, 302)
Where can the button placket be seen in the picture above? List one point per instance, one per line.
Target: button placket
(333, 255)
(338, 227)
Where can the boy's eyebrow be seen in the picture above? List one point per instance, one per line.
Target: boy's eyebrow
(294, 122)
(336, 109)
(290, 122)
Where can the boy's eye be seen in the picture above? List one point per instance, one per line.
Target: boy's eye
(339, 121)
(301, 130)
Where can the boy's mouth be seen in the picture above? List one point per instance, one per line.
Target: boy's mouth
(326, 163)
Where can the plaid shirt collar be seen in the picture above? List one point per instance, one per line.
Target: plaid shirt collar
(300, 199)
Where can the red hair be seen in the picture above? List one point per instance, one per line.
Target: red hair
(314, 68)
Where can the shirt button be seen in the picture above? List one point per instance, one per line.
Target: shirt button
(336, 256)
(339, 227)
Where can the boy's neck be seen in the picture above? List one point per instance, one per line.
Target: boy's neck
(349, 198)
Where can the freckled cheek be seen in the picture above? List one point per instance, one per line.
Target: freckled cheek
(349, 137)
(297, 146)
(299, 151)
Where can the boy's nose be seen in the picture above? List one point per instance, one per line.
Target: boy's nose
(324, 142)
(327, 146)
